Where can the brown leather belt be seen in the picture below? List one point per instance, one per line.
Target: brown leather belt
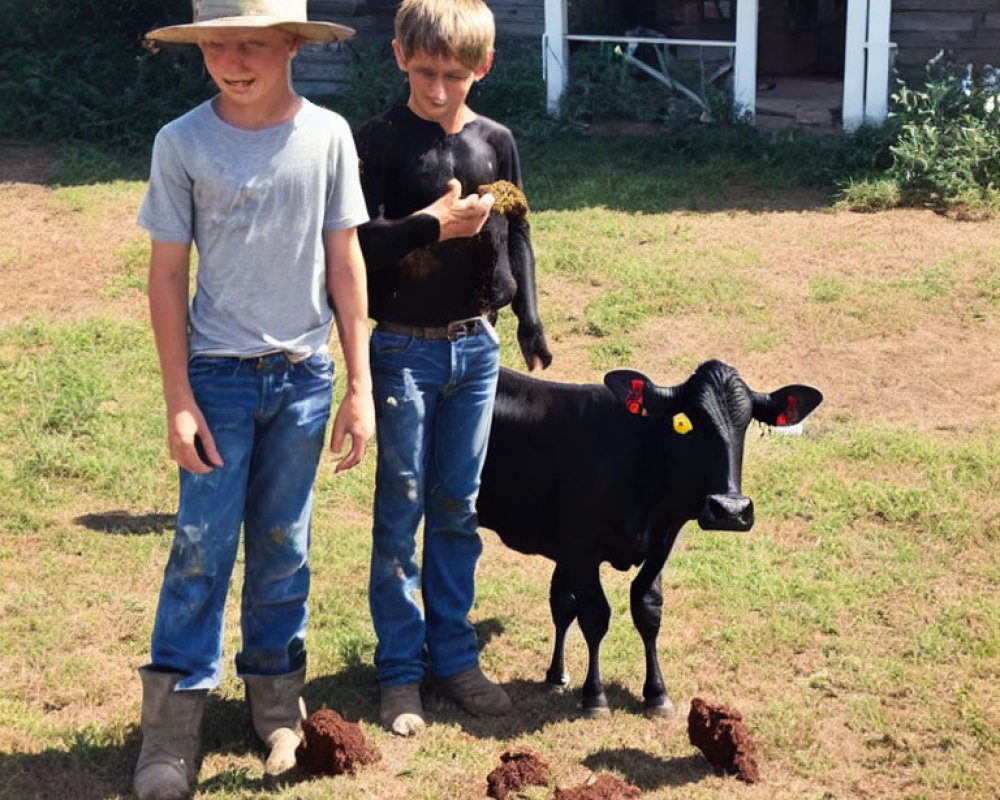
(451, 331)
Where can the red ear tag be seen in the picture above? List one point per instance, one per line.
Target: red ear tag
(781, 421)
(792, 411)
(633, 400)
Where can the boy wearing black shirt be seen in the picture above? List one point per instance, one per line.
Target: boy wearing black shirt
(440, 265)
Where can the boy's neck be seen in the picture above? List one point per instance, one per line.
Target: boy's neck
(253, 116)
(451, 124)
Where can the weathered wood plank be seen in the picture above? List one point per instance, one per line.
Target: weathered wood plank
(911, 61)
(944, 5)
(936, 21)
(939, 39)
(519, 17)
(332, 10)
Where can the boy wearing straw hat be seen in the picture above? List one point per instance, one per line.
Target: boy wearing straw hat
(266, 185)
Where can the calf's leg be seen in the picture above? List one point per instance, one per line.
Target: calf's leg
(646, 603)
(594, 614)
(563, 607)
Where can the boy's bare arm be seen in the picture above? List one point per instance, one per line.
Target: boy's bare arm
(168, 310)
(346, 285)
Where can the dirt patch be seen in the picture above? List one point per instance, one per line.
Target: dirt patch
(518, 769)
(927, 370)
(332, 745)
(22, 162)
(879, 354)
(721, 735)
(58, 259)
(603, 787)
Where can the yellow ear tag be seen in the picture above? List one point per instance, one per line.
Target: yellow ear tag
(682, 424)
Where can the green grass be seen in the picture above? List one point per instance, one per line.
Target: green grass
(857, 627)
(85, 400)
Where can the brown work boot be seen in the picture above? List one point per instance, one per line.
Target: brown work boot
(401, 711)
(476, 693)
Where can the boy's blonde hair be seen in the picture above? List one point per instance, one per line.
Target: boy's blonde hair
(460, 29)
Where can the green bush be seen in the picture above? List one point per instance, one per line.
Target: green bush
(512, 93)
(76, 71)
(606, 85)
(948, 147)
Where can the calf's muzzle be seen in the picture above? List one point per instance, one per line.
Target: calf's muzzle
(726, 512)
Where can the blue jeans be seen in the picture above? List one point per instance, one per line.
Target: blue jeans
(433, 407)
(268, 417)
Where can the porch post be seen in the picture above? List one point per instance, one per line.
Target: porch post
(854, 64)
(879, 48)
(745, 61)
(555, 54)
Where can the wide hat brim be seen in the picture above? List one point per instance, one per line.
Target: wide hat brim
(312, 32)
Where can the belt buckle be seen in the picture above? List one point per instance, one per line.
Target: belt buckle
(462, 327)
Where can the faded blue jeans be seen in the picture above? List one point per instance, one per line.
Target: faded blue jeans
(268, 417)
(433, 407)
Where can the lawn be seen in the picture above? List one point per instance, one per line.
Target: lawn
(856, 627)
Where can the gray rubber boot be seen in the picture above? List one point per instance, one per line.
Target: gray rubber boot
(171, 738)
(476, 693)
(277, 711)
(400, 709)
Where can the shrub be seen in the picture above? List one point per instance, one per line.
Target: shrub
(75, 70)
(870, 195)
(948, 146)
(513, 91)
(943, 142)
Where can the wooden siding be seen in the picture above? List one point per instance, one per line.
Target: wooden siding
(518, 17)
(322, 69)
(968, 30)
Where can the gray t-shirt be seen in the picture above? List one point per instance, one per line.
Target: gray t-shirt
(255, 204)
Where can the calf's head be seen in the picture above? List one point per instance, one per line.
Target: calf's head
(702, 424)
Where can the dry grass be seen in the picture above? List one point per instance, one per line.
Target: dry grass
(857, 628)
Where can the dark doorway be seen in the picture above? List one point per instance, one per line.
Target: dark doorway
(801, 37)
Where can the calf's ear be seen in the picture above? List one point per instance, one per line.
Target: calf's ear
(786, 406)
(637, 394)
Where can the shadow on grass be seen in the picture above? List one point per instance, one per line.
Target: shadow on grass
(127, 523)
(353, 690)
(647, 771)
(90, 767)
(353, 693)
(568, 170)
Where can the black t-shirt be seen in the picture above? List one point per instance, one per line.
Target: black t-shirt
(406, 163)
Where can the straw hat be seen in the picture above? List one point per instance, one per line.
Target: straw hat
(287, 14)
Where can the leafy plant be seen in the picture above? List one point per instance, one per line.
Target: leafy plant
(949, 135)
(76, 71)
(512, 92)
(944, 144)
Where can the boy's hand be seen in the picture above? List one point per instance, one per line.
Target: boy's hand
(355, 418)
(460, 216)
(191, 443)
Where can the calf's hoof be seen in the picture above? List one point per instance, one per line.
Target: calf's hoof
(559, 680)
(596, 707)
(658, 707)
